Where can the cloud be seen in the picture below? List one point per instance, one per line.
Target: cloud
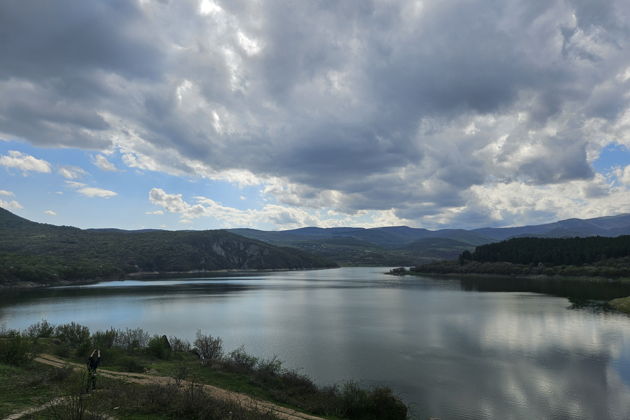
(71, 172)
(50, 212)
(206, 207)
(102, 163)
(623, 174)
(75, 184)
(156, 212)
(96, 192)
(6, 193)
(270, 215)
(87, 191)
(10, 205)
(353, 106)
(24, 162)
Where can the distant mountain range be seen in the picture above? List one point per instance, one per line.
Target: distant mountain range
(402, 245)
(47, 254)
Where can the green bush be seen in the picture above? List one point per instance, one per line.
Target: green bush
(384, 405)
(131, 364)
(160, 347)
(240, 360)
(73, 334)
(42, 329)
(16, 349)
(84, 349)
(104, 339)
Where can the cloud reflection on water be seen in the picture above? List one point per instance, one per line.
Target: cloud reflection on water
(451, 351)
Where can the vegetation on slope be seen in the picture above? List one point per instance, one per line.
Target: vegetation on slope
(204, 362)
(353, 246)
(565, 251)
(402, 245)
(570, 257)
(621, 304)
(48, 254)
(611, 268)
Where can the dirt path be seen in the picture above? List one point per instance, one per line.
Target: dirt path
(52, 403)
(140, 378)
(34, 410)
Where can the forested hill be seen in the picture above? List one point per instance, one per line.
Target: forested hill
(42, 253)
(402, 245)
(553, 251)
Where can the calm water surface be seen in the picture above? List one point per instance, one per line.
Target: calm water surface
(454, 349)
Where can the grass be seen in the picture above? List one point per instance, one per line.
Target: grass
(205, 363)
(22, 387)
(621, 304)
(129, 401)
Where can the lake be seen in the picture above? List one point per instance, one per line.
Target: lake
(454, 349)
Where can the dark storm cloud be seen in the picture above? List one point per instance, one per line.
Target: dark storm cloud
(44, 40)
(402, 104)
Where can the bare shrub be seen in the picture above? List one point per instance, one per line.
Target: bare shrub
(179, 345)
(104, 339)
(210, 348)
(131, 339)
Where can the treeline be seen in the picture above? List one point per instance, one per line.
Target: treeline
(610, 268)
(551, 251)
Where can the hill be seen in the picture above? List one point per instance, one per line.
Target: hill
(42, 253)
(403, 245)
(554, 251)
(595, 257)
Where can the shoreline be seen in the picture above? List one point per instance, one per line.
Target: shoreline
(618, 304)
(146, 275)
(584, 279)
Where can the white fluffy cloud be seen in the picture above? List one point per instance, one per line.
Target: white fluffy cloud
(623, 174)
(50, 212)
(9, 205)
(71, 172)
(102, 163)
(23, 162)
(88, 191)
(277, 216)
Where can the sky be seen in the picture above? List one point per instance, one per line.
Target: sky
(282, 114)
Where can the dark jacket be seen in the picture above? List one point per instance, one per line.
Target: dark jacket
(93, 362)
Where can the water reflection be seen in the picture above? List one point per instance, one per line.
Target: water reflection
(455, 349)
(578, 290)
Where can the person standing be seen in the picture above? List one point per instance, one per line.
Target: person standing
(92, 364)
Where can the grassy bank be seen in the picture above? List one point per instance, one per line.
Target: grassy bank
(621, 304)
(203, 362)
(58, 393)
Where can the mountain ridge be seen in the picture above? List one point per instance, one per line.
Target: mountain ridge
(602, 226)
(47, 254)
(404, 245)
(388, 245)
